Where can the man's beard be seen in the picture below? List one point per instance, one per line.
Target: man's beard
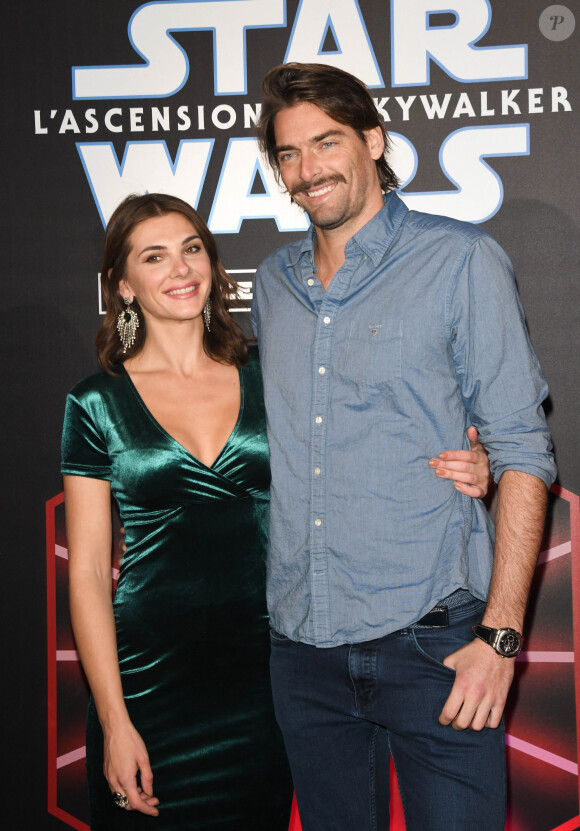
(302, 186)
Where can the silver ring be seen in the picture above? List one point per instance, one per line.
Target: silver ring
(121, 799)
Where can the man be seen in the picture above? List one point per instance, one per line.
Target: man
(384, 333)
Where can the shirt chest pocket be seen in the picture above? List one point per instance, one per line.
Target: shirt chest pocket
(375, 352)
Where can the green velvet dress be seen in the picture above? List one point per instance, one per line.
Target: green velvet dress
(190, 611)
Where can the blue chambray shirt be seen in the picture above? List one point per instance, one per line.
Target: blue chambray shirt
(420, 334)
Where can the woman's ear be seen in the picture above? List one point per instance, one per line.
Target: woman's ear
(125, 291)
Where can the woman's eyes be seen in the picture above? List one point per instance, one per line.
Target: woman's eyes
(157, 258)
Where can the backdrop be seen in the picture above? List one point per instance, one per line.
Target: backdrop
(101, 99)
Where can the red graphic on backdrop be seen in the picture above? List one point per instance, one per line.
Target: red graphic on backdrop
(543, 741)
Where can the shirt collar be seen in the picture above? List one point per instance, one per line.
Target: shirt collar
(374, 238)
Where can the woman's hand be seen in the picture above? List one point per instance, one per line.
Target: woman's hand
(125, 756)
(469, 469)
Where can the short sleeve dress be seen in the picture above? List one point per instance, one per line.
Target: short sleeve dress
(190, 611)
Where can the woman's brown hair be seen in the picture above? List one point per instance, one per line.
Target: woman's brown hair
(225, 342)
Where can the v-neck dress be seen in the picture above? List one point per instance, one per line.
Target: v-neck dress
(190, 610)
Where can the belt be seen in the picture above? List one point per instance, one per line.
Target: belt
(438, 617)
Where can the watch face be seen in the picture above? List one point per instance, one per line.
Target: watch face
(509, 643)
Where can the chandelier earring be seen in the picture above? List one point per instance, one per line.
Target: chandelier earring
(127, 325)
(207, 313)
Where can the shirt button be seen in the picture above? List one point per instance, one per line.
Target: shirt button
(321, 370)
(310, 281)
(317, 471)
(318, 522)
(326, 320)
(318, 419)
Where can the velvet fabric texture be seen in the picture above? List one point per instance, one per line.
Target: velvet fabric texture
(190, 611)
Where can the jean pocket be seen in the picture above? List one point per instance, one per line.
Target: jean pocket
(434, 644)
(430, 648)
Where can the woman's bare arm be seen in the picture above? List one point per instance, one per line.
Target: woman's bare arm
(88, 524)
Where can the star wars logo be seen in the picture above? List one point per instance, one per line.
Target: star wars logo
(421, 35)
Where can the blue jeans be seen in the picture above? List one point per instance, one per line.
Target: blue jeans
(345, 711)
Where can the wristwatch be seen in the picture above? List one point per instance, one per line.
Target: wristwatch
(506, 642)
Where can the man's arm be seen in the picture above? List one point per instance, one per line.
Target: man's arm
(483, 677)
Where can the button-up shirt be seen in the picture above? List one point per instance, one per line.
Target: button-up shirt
(420, 334)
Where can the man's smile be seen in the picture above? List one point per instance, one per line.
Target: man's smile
(315, 189)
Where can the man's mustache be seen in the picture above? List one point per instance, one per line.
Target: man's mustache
(301, 187)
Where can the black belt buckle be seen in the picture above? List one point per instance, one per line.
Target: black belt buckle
(437, 618)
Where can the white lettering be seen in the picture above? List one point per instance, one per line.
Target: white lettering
(92, 123)
(535, 100)
(136, 119)
(184, 122)
(405, 105)
(343, 19)
(479, 190)
(484, 108)
(166, 66)
(560, 99)
(415, 43)
(251, 115)
(69, 123)
(146, 167)
(463, 106)
(160, 118)
(403, 158)
(114, 128)
(38, 128)
(380, 107)
(230, 120)
(507, 102)
(433, 107)
(234, 200)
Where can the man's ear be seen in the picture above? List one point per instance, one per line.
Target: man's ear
(375, 142)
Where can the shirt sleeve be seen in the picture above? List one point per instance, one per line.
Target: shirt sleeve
(499, 374)
(84, 449)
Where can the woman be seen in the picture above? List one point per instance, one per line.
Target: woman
(181, 719)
